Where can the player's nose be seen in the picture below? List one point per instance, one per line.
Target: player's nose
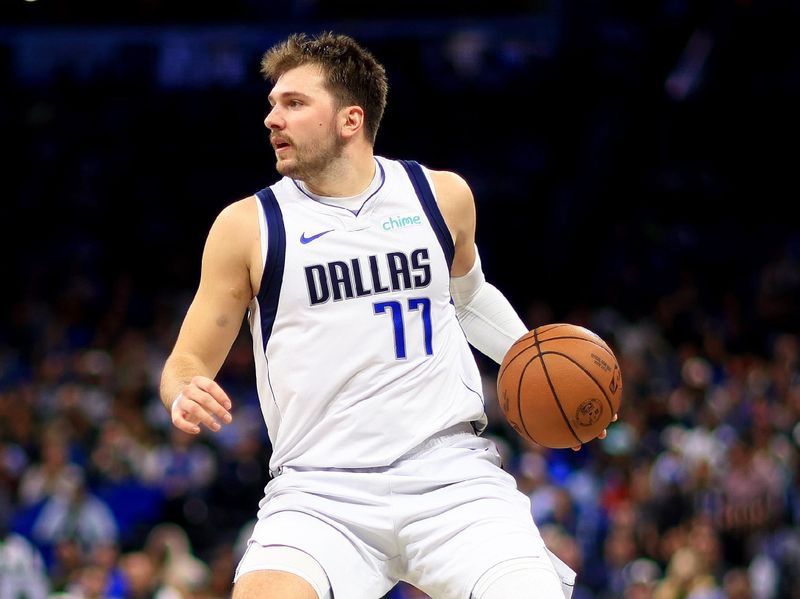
(273, 119)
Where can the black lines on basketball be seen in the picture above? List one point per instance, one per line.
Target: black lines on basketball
(555, 397)
(602, 345)
(547, 328)
(519, 348)
(537, 357)
(587, 372)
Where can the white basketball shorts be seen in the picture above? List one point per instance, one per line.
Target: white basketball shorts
(438, 518)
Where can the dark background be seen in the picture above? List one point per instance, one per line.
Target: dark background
(614, 149)
(634, 167)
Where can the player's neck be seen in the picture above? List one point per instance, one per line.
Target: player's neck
(345, 177)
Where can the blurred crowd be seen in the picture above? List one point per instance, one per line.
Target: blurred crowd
(693, 494)
(625, 179)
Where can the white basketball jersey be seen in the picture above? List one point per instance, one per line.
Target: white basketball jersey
(359, 355)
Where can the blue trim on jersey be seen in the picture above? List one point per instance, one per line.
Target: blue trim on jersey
(353, 212)
(431, 208)
(271, 280)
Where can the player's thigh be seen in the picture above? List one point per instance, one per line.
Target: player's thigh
(448, 560)
(471, 527)
(350, 565)
(272, 584)
(522, 578)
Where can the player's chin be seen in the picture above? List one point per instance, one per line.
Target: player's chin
(285, 166)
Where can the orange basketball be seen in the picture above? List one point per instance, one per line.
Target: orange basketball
(559, 385)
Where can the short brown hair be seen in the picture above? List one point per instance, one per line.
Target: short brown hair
(352, 75)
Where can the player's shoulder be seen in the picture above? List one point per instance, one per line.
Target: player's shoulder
(237, 217)
(449, 186)
(449, 181)
(452, 190)
(443, 177)
(444, 181)
(239, 208)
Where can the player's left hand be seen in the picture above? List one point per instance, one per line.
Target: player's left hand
(602, 435)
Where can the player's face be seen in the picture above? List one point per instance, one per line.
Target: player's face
(302, 123)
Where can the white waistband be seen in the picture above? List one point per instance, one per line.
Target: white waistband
(457, 430)
(461, 429)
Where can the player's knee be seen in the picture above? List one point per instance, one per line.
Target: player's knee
(270, 584)
(280, 572)
(519, 579)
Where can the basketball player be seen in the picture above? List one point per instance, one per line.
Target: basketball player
(363, 287)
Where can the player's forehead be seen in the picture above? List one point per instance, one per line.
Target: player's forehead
(307, 80)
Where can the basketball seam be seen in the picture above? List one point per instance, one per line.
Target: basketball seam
(514, 357)
(589, 374)
(552, 390)
(548, 328)
(519, 394)
(601, 345)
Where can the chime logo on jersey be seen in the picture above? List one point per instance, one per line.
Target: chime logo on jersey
(399, 222)
(357, 277)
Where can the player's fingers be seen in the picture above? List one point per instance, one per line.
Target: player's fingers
(211, 411)
(220, 403)
(211, 387)
(180, 417)
(190, 407)
(210, 396)
(603, 434)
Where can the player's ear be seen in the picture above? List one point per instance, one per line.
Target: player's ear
(352, 119)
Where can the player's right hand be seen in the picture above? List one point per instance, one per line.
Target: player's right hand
(204, 402)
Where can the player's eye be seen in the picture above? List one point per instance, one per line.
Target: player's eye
(295, 103)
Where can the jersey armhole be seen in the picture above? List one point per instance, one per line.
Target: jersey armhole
(424, 190)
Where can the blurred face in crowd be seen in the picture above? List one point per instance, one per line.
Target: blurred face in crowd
(303, 123)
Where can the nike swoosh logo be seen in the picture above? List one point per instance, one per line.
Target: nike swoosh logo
(304, 239)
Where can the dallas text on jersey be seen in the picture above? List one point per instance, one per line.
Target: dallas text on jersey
(358, 277)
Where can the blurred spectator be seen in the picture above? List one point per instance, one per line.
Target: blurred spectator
(65, 560)
(141, 577)
(736, 585)
(641, 576)
(91, 582)
(73, 512)
(619, 550)
(562, 544)
(105, 555)
(54, 473)
(222, 565)
(116, 456)
(242, 472)
(184, 468)
(177, 568)
(687, 577)
(22, 569)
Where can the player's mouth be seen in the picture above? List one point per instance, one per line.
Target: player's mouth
(280, 145)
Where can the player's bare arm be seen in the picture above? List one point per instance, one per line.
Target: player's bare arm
(213, 321)
(457, 205)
